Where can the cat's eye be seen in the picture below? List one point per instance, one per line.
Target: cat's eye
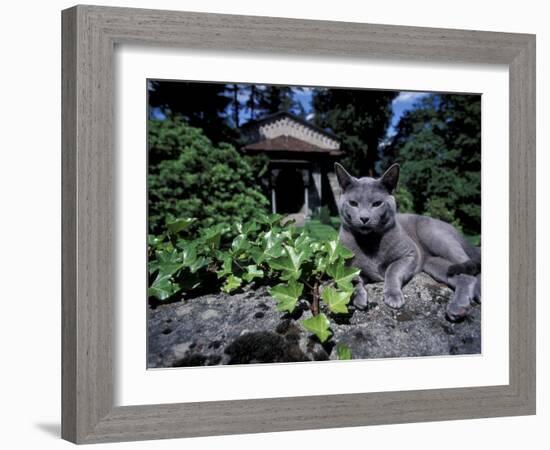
(353, 203)
(377, 204)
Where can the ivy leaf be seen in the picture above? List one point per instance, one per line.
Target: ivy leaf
(248, 227)
(227, 265)
(252, 272)
(168, 262)
(287, 295)
(169, 269)
(198, 264)
(321, 264)
(336, 250)
(330, 249)
(343, 352)
(178, 225)
(272, 219)
(162, 288)
(239, 244)
(269, 247)
(189, 255)
(344, 252)
(152, 266)
(273, 252)
(305, 245)
(343, 275)
(319, 326)
(257, 254)
(231, 283)
(320, 231)
(271, 239)
(154, 241)
(213, 235)
(289, 263)
(302, 241)
(336, 300)
(167, 254)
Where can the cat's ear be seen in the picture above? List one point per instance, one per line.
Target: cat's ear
(345, 180)
(390, 178)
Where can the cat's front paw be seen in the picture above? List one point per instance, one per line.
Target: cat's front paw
(360, 297)
(456, 312)
(394, 299)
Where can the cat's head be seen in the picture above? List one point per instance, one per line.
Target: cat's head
(367, 205)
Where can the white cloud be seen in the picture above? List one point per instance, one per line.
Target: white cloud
(409, 97)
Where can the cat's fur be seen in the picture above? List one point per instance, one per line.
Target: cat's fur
(393, 247)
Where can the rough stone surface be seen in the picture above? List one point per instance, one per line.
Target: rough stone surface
(247, 328)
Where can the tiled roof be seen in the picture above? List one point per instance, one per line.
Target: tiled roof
(289, 144)
(281, 114)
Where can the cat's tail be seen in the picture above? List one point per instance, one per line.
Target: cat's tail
(470, 267)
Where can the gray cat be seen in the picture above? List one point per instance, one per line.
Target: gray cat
(393, 247)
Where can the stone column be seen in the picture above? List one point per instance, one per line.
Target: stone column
(316, 176)
(305, 177)
(273, 181)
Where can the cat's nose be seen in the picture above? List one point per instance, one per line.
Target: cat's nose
(364, 219)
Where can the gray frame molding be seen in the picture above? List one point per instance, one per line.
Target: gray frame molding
(89, 36)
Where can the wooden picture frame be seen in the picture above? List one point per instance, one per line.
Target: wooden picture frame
(90, 34)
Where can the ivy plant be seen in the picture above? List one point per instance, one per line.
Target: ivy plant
(298, 267)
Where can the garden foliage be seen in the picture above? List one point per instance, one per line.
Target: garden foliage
(190, 177)
(300, 266)
(438, 145)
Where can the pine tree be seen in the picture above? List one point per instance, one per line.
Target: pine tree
(438, 144)
(201, 105)
(360, 118)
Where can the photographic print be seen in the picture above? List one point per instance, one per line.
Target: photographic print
(302, 223)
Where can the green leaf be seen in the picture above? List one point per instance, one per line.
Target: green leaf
(275, 251)
(240, 244)
(343, 352)
(227, 265)
(175, 226)
(343, 275)
(252, 272)
(336, 300)
(152, 266)
(247, 227)
(167, 254)
(272, 219)
(199, 264)
(169, 269)
(321, 264)
(302, 242)
(287, 295)
(336, 250)
(320, 231)
(289, 263)
(271, 239)
(319, 326)
(305, 245)
(189, 255)
(344, 252)
(211, 236)
(162, 288)
(257, 254)
(330, 249)
(154, 241)
(231, 283)
(168, 262)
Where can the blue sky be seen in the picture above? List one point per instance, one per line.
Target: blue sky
(403, 102)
